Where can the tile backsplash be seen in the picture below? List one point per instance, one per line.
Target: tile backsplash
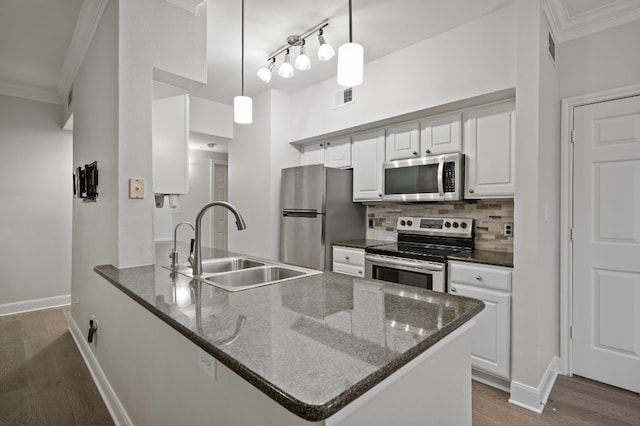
(489, 217)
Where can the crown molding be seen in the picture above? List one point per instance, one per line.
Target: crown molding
(29, 92)
(88, 20)
(568, 27)
(188, 5)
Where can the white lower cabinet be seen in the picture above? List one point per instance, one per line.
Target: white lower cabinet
(491, 337)
(348, 260)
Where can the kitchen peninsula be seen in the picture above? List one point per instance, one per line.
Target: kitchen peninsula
(329, 348)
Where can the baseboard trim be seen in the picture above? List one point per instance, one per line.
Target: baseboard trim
(535, 398)
(489, 380)
(34, 305)
(111, 400)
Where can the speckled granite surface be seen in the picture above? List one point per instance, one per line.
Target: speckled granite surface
(361, 244)
(487, 257)
(312, 344)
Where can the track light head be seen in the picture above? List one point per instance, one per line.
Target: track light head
(325, 51)
(265, 72)
(286, 70)
(302, 61)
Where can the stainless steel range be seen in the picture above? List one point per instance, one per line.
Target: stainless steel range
(419, 258)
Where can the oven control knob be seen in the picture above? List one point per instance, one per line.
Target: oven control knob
(447, 224)
(463, 225)
(455, 224)
(409, 223)
(403, 223)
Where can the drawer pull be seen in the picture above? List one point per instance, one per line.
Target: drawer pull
(479, 277)
(453, 290)
(346, 258)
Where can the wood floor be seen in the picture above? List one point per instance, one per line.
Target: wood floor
(44, 381)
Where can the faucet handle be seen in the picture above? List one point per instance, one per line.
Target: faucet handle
(193, 242)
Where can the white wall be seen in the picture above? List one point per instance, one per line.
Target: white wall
(606, 60)
(95, 138)
(535, 320)
(257, 154)
(473, 59)
(36, 191)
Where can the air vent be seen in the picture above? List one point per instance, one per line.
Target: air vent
(343, 97)
(552, 48)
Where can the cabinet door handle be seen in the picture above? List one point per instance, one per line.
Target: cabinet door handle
(321, 145)
(428, 151)
(471, 191)
(360, 273)
(415, 154)
(328, 143)
(479, 277)
(346, 258)
(453, 290)
(379, 195)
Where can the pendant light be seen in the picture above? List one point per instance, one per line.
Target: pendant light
(350, 60)
(242, 105)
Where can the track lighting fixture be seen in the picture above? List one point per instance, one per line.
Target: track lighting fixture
(302, 62)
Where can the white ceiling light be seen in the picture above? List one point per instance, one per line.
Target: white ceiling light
(242, 105)
(265, 72)
(286, 70)
(302, 61)
(350, 60)
(325, 51)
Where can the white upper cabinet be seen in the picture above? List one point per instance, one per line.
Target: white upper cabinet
(441, 134)
(403, 141)
(313, 153)
(489, 147)
(334, 153)
(368, 156)
(337, 153)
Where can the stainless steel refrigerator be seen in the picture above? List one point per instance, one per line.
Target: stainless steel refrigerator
(317, 210)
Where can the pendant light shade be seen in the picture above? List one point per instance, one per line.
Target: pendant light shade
(350, 64)
(350, 60)
(243, 109)
(242, 105)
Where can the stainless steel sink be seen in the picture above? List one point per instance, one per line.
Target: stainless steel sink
(254, 277)
(227, 264)
(242, 273)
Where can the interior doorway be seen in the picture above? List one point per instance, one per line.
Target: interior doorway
(602, 258)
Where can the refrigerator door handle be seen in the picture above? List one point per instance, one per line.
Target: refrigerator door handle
(300, 213)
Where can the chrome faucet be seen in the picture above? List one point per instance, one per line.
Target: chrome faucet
(197, 250)
(174, 254)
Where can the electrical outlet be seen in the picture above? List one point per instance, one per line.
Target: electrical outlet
(507, 230)
(207, 363)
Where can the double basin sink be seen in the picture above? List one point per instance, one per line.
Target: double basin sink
(242, 273)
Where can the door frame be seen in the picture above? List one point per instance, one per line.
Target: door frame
(566, 211)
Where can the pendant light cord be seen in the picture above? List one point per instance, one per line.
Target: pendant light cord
(242, 76)
(350, 26)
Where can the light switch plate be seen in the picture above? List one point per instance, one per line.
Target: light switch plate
(136, 188)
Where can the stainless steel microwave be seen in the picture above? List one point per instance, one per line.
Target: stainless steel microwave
(433, 178)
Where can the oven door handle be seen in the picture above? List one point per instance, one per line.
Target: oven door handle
(440, 177)
(427, 266)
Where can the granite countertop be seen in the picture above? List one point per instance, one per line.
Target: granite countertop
(311, 344)
(361, 244)
(487, 257)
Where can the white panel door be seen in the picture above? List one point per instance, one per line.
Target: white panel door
(313, 153)
(338, 153)
(403, 141)
(441, 134)
(606, 244)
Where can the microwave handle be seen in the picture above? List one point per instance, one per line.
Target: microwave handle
(440, 177)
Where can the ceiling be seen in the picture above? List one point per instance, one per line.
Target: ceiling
(42, 42)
